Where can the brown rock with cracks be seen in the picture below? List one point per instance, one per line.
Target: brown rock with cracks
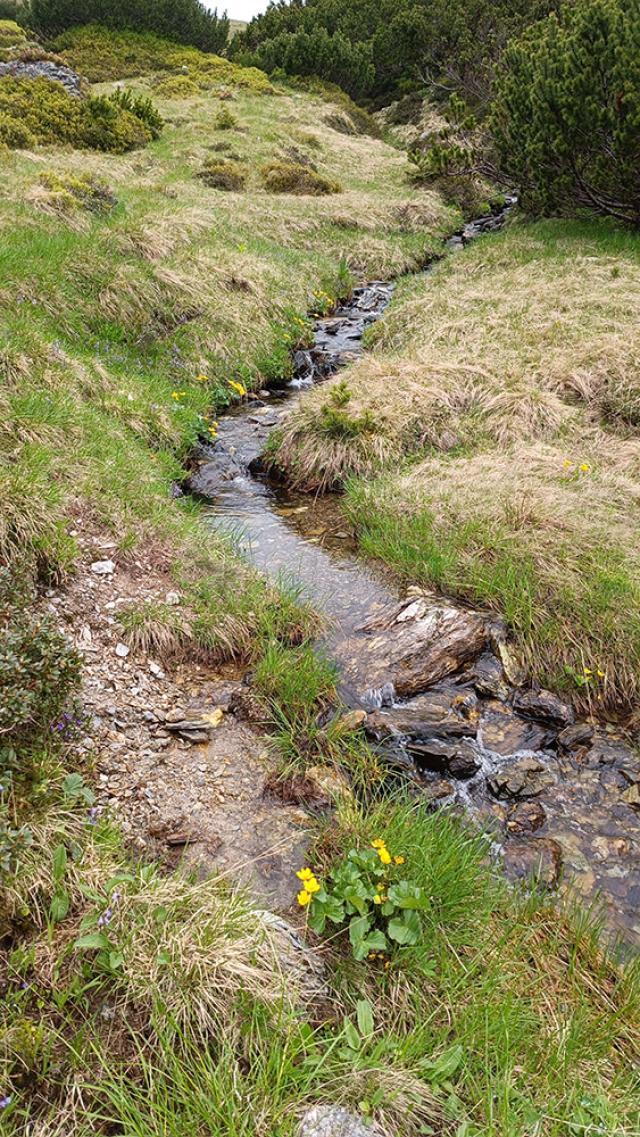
(419, 644)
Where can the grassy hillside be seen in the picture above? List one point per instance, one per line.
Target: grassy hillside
(504, 388)
(137, 301)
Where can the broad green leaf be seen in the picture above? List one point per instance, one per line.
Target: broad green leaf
(59, 863)
(351, 1035)
(364, 1014)
(358, 928)
(95, 940)
(60, 904)
(400, 932)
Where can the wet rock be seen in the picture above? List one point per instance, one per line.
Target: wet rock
(191, 730)
(219, 467)
(488, 678)
(607, 751)
(439, 791)
(524, 778)
(437, 714)
(505, 733)
(420, 643)
(334, 1121)
(545, 706)
(459, 759)
(538, 860)
(525, 817)
(576, 736)
(350, 721)
(632, 795)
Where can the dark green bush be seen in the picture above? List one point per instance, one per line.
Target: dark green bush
(39, 111)
(291, 177)
(38, 668)
(223, 174)
(141, 107)
(185, 21)
(566, 117)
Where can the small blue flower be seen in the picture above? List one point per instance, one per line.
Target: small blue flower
(5, 1101)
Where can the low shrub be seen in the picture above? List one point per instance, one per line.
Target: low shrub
(103, 54)
(226, 120)
(141, 107)
(11, 34)
(14, 134)
(224, 174)
(176, 87)
(38, 668)
(291, 177)
(566, 113)
(68, 193)
(40, 111)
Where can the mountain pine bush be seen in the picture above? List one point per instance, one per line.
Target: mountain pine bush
(185, 21)
(566, 116)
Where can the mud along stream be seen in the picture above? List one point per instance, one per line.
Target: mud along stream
(442, 694)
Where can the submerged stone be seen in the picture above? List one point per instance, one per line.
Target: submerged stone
(526, 777)
(545, 706)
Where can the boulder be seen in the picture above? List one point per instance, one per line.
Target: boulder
(459, 758)
(417, 644)
(335, 1121)
(449, 714)
(544, 705)
(44, 69)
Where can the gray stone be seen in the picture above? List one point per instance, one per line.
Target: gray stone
(459, 758)
(573, 737)
(103, 568)
(334, 1121)
(44, 69)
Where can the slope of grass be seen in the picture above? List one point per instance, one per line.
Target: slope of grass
(506, 387)
(126, 330)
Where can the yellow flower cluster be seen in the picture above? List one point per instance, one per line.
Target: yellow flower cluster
(213, 429)
(201, 379)
(237, 387)
(588, 673)
(309, 886)
(177, 395)
(583, 468)
(384, 854)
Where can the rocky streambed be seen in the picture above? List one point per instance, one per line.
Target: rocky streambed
(433, 683)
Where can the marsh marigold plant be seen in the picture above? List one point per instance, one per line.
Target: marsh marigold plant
(367, 894)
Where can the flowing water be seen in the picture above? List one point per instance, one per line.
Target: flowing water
(557, 796)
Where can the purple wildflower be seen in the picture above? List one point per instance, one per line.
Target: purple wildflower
(93, 814)
(5, 1101)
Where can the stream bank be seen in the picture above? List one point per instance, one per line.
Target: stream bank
(444, 700)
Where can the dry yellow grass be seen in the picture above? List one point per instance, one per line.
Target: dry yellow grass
(514, 371)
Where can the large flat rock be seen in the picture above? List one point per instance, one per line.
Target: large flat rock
(414, 645)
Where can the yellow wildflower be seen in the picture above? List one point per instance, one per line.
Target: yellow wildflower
(303, 898)
(566, 463)
(241, 390)
(377, 898)
(377, 844)
(398, 860)
(584, 468)
(201, 379)
(600, 674)
(587, 671)
(304, 874)
(387, 965)
(385, 856)
(312, 885)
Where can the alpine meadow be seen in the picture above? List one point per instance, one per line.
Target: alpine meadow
(319, 569)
